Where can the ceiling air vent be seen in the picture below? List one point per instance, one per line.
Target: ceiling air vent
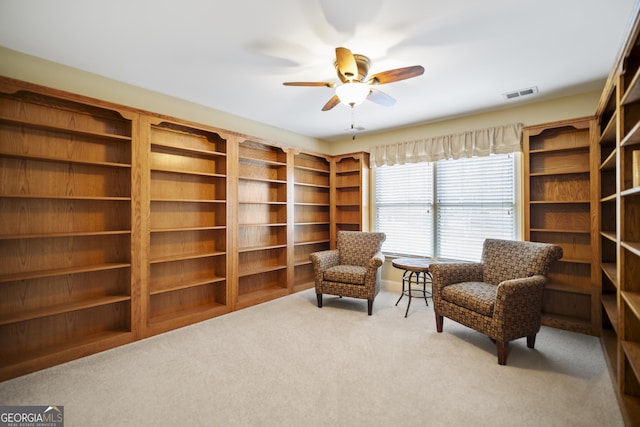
(521, 92)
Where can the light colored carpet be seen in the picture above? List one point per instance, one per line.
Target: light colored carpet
(289, 363)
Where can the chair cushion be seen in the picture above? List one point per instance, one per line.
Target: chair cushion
(475, 296)
(353, 274)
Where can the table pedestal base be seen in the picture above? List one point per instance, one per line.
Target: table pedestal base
(409, 280)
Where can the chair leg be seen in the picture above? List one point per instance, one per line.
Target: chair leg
(531, 340)
(369, 306)
(319, 297)
(503, 347)
(439, 321)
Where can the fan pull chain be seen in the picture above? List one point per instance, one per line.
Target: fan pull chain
(353, 130)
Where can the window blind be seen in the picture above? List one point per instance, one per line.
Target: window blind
(404, 208)
(475, 200)
(446, 209)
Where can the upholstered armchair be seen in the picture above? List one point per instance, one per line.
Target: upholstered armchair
(501, 296)
(352, 269)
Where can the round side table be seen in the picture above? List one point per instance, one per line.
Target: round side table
(414, 279)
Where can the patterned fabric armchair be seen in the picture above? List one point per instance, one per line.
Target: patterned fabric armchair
(501, 296)
(352, 269)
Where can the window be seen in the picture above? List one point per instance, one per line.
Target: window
(446, 209)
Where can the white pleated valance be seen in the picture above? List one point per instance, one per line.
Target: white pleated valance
(482, 142)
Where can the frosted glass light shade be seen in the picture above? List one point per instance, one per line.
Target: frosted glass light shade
(352, 94)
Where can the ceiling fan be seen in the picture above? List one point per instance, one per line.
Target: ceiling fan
(357, 85)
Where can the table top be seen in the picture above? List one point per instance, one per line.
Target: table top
(412, 264)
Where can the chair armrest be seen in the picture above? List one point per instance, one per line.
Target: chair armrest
(324, 259)
(519, 300)
(376, 261)
(450, 273)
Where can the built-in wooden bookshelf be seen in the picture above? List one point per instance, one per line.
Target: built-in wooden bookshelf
(560, 207)
(312, 214)
(619, 223)
(350, 201)
(262, 223)
(65, 230)
(117, 224)
(187, 229)
(608, 155)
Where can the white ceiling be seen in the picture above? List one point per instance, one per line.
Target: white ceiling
(234, 56)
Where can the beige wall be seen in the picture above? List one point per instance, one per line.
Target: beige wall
(35, 70)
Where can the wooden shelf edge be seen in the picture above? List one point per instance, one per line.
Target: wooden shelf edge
(567, 323)
(263, 224)
(188, 285)
(22, 364)
(549, 230)
(610, 269)
(180, 229)
(45, 158)
(181, 318)
(609, 164)
(67, 234)
(575, 260)
(608, 135)
(185, 257)
(568, 289)
(212, 154)
(299, 287)
(259, 296)
(633, 247)
(560, 150)
(261, 248)
(633, 301)
(63, 197)
(264, 180)
(66, 130)
(632, 93)
(559, 202)
(312, 242)
(250, 159)
(311, 169)
(610, 306)
(317, 205)
(9, 318)
(62, 271)
(560, 172)
(261, 270)
(212, 201)
(187, 172)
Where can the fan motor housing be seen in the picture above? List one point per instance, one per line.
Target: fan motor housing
(363, 64)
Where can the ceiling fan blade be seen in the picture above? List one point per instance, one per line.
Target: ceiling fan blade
(347, 65)
(396, 75)
(324, 84)
(381, 98)
(332, 103)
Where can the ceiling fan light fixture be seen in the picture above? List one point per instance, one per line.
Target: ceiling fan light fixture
(352, 94)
